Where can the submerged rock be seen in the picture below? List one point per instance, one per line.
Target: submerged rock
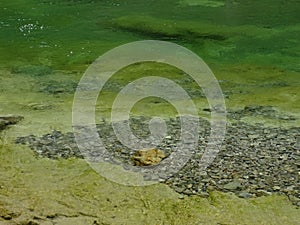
(269, 112)
(6, 120)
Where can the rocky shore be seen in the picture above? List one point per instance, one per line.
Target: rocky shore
(254, 160)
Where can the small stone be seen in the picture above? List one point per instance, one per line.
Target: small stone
(276, 188)
(290, 188)
(37, 106)
(7, 217)
(203, 194)
(261, 184)
(234, 185)
(181, 196)
(210, 188)
(187, 192)
(179, 189)
(254, 136)
(294, 199)
(262, 193)
(245, 195)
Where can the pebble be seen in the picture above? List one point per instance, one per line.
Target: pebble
(234, 185)
(254, 160)
(262, 193)
(245, 195)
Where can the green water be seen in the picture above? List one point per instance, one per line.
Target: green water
(252, 47)
(71, 34)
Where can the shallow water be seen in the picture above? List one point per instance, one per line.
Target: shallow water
(67, 34)
(45, 46)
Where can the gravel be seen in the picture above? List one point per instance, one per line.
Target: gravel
(253, 161)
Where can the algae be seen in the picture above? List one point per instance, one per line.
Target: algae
(69, 191)
(208, 3)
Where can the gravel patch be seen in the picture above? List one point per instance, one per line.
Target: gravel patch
(253, 161)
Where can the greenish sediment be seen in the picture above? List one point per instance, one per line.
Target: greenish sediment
(70, 192)
(187, 30)
(67, 191)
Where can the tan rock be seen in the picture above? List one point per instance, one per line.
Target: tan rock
(147, 157)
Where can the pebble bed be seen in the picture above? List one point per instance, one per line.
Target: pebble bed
(253, 161)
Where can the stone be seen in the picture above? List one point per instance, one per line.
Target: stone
(247, 164)
(294, 199)
(6, 120)
(203, 194)
(262, 193)
(147, 157)
(245, 195)
(276, 188)
(234, 185)
(37, 106)
(181, 196)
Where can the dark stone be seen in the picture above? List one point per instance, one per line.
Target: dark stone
(245, 195)
(7, 120)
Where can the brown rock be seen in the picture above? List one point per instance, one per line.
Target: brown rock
(147, 157)
(8, 120)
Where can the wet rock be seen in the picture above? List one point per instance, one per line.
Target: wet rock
(38, 106)
(7, 214)
(276, 188)
(147, 157)
(245, 195)
(31, 222)
(258, 110)
(295, 200)
(262, 193)
(203, 194)
(6, 120)
(234, 185)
